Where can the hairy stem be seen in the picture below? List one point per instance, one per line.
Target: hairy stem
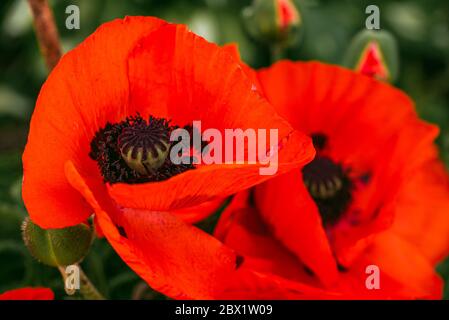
(46, 31)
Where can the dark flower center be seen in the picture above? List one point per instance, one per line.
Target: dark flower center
(319, 141)
(329, 186)
(135, 151)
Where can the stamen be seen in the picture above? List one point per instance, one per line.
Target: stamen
(330, 187)
(135, 151)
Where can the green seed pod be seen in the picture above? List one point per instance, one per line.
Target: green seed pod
(143, 160)
(374, 53)
(57, 247)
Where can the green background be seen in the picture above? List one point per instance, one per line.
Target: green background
(421, 28)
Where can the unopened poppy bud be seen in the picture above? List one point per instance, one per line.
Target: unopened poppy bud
(273, 21)
(374, 53)
(57, 247)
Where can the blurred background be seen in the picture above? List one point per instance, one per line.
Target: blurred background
(420, 27)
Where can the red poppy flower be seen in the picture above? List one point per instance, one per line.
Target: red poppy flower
(99, 129)
(28, 294)
(375, 194)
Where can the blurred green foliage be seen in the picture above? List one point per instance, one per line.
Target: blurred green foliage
(421, 28)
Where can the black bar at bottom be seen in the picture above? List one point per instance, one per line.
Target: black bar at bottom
(260, 310)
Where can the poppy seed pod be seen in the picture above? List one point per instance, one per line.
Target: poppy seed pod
(57, 247)
(273, 21)
(145, 145)
(374, 53)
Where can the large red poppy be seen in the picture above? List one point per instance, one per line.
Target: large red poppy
(375, 194)
(28, 294)
(139, 73)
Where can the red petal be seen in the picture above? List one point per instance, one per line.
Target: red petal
(287, 208)
(421, 213)
(28, 294)
(197, 213)
(177, 259)
(241, 228)
(404, 272)
(248, 284)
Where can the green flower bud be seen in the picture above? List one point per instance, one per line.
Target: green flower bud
(273, 21)
(57, 247)
(374, 53)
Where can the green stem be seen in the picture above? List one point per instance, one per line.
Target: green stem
(88, 290)
(277, 52)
